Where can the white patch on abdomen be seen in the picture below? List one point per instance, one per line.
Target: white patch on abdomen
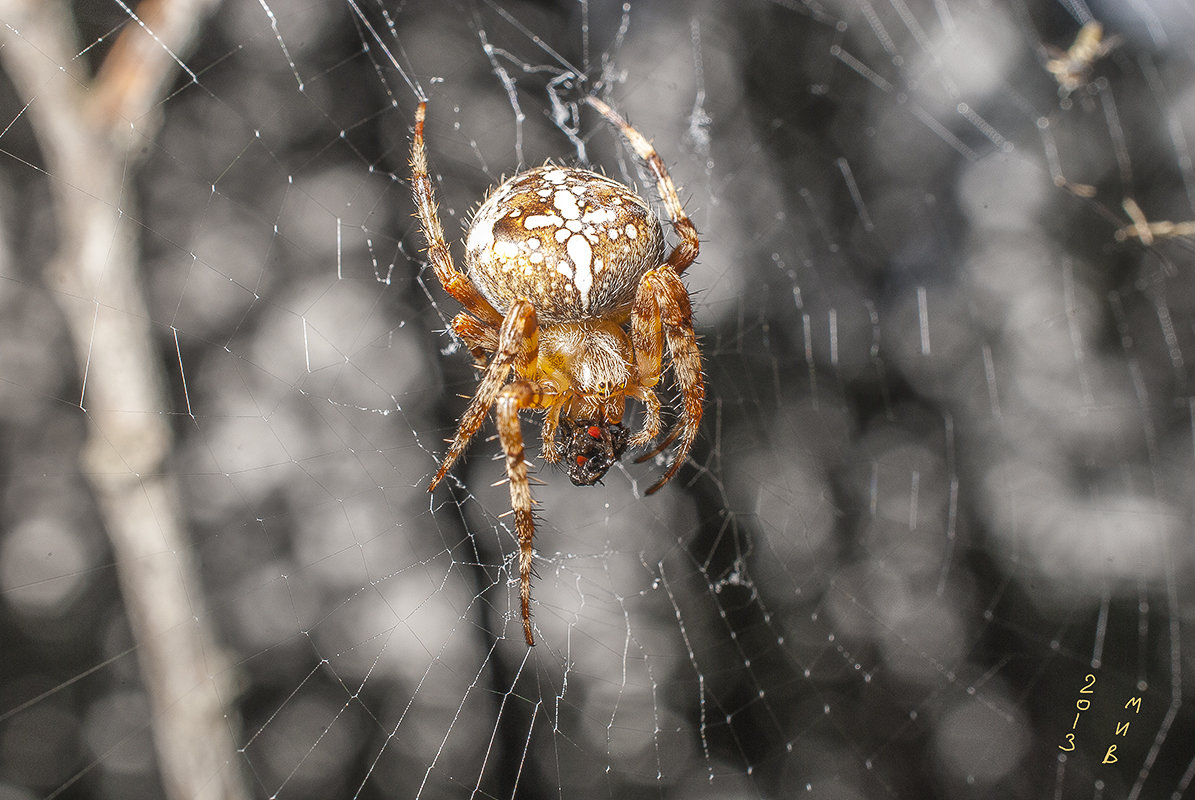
(542, 221)
(566, 204)
(582, 257)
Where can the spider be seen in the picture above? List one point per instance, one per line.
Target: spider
(568, 306)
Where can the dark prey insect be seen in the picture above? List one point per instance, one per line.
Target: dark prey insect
(569, 303)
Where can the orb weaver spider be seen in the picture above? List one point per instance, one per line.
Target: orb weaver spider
(568, 305)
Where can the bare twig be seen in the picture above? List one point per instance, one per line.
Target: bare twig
(1072, 68)
(83, 127)
(1148, 231)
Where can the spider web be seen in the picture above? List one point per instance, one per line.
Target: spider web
(934, 538)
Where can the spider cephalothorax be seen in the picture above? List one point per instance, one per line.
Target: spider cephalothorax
(568, 294)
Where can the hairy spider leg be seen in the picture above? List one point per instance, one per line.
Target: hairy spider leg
(480, 338)
(664, 444)
(662, 308)
(547, 434)
(514, 397)
(685, 252)
(651, 402)
(452, 279)
(664, 294)
(518, 348)
(647, 342)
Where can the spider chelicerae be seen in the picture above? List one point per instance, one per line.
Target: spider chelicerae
(569, 303)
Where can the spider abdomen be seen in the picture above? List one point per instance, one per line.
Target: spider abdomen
(572, 242)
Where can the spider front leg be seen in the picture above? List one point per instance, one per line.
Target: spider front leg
(685, 252)
(518, 348)
(453, 281)
(663, 309)
(651, 407)
(480, 338)
(513, 398)
(547, 436)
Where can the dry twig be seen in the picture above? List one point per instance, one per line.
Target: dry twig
(84, 127)
(1148, 231)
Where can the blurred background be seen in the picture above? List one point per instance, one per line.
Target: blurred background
(935, 537)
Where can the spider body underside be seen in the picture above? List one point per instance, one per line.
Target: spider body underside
(569, 304)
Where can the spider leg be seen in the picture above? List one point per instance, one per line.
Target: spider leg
(662, 302)
(548, 434)
(453, 281)
(518, 348)
(685, 252)
(513, 398)
(651, 417)
(480, 338)
(647, 342)
(663, 445)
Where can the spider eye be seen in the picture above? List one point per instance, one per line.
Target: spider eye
(595, 432)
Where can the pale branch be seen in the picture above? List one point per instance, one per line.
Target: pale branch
(84, 127)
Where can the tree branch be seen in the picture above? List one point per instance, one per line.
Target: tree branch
(84, 129)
